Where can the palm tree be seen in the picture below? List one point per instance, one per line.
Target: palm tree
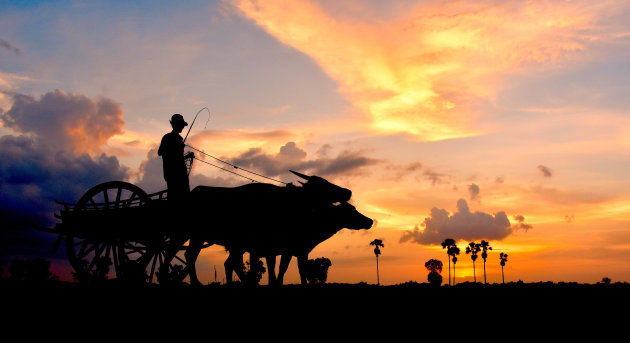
(447, 244)
(473, 248)
(503, 258)
(485, 246)
(453, 251)
(377, 243)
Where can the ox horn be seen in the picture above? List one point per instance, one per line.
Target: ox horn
(305, 177)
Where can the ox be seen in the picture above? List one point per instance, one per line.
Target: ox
(246, 217)
(317, 225)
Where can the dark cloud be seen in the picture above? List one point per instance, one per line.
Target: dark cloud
(65, 121)
(545, 171)
(134, 143)
(324, 150)
(474, 190)
(49, 162)
(521, 225)
(434, 177)
(10, 47)
(32, 176)
(397, 172)
(463, 224)
(292, 157)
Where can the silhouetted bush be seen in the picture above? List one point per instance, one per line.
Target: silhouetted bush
(317, 270)
(435, 278)
(35, 270)
(97, 274)
(254, 273)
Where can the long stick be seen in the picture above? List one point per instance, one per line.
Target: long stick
(193, 122)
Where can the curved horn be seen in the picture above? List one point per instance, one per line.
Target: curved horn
(305, 177)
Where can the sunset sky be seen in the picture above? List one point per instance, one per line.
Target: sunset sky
(499, 120)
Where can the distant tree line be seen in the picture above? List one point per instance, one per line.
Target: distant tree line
(32, 270)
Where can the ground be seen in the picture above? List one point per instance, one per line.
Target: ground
(526, 309)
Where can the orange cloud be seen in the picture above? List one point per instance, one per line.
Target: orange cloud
(424, 72)
(65, 121)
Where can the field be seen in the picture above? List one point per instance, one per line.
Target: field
(411, 299)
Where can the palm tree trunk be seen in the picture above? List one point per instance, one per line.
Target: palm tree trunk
(474, 274)
(484, 272)
(449, 269)
(502, 275)
(453, 274)
(378, 281)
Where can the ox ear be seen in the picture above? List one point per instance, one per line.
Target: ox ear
(305, 177)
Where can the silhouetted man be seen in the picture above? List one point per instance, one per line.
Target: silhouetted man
(173, 159)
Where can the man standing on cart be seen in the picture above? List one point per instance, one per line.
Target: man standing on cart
(173, 160)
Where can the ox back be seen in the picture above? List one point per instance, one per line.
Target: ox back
(265, 218)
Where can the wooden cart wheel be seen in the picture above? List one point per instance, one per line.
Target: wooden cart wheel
(92, 254)
(150, 255)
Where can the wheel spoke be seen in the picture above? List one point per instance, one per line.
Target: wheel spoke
(115, 255)
(130, 200)
(83, 252)
(118, 194)
(180, 260)
(81, 241)
(153, 269)
(106, 199)
(97, 255)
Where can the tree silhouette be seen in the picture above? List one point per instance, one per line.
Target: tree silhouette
(453, 252)
(35, 270)
(174, 275)
(98, 274)
(485, 246)
(435, 268)
(254, 271)
(447, 244)
(317, 270)
(504, 259)
(377, 243)
(473, 249)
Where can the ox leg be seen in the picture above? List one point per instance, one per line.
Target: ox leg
(234, 263)
(194, 247)
(271, 269)
(228, 270)
(284, 265)
(302, 267)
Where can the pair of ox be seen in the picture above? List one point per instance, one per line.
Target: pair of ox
(267, 220)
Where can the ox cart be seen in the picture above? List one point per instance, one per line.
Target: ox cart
(117, 223)
(143, 235)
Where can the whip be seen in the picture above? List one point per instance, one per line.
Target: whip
(193, 122)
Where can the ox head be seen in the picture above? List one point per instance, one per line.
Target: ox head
(346, 216)
(322, 189)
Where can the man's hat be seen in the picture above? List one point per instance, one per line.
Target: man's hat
(178, 119)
